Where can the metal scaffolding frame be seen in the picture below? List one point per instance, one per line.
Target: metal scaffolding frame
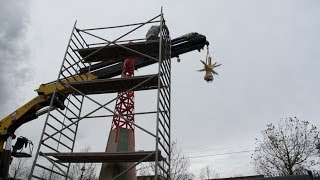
(65, 110)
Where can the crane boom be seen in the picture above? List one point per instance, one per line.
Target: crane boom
(105, 69)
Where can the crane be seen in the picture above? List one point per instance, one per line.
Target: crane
(37, 106)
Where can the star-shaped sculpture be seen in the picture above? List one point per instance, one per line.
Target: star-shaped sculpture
(209, 69)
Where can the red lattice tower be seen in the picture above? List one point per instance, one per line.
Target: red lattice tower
(125, 102)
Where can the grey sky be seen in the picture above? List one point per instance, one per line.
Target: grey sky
(14, 51)
(269, 52)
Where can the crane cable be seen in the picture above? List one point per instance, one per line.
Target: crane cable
(208, 54)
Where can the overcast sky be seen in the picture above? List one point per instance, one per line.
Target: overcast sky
(269, 51)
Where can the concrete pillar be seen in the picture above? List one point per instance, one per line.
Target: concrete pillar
(124, 143)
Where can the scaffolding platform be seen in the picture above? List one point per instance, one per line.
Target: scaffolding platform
(92, 66)
(116, 52)
(104, 157)
(115, 85)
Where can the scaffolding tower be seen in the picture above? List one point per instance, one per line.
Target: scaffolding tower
(92, 65)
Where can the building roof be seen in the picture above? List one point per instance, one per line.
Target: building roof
(261, 177)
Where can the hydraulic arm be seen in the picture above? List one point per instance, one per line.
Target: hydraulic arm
(100, 70)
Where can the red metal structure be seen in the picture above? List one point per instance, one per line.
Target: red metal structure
(90, 67)
(125, 102)
(121, 137)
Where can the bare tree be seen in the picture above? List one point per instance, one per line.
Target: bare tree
(316, 173)
(208, 172)
(287, 149)
(45, 174)
(19, 168)
(179, 165)
(83, 171)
